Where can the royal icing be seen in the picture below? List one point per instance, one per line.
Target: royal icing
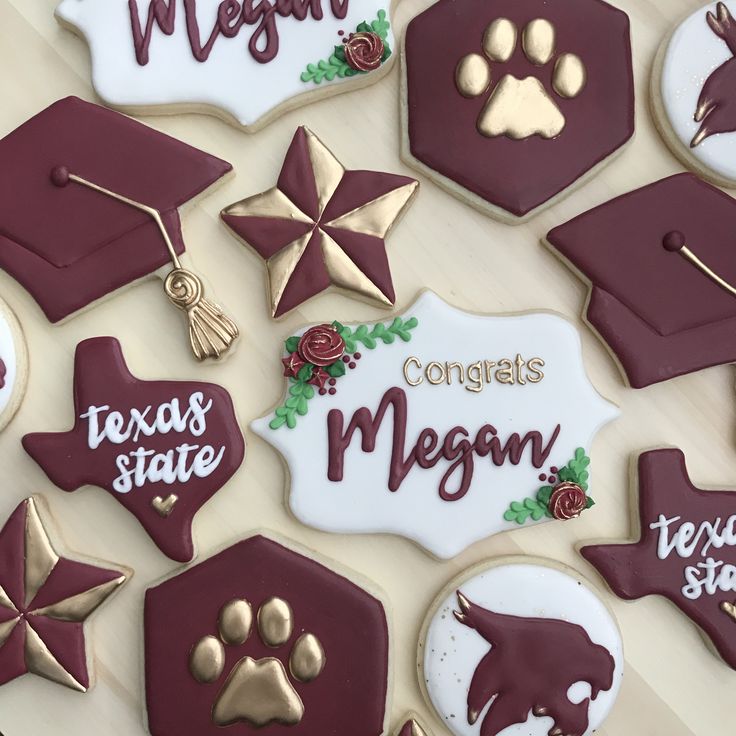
(161, 448)
(268, 640)
(245, 59)
(13, 364)
(696, 103)
(521, 646)
(508, 104)
(440, 426)
(686, 551)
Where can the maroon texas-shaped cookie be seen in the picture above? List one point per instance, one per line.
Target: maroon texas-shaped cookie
(261, 638)
(686, 551)
(161, 448)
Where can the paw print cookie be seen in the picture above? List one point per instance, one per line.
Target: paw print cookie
(271, 639)
(508, 105)
(258, 691)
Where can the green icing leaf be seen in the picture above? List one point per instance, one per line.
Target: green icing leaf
(544, 494)
(292, 344)
(590, 503)
(305, 373)
(337, 369)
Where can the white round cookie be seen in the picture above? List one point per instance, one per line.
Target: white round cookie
(695, 62)
(450, 651)
(13, 365)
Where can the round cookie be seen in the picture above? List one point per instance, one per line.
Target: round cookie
(694, 92)
(13, 365)
(242, 61)
(520, 641)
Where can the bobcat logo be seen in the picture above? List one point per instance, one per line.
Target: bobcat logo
(532, 664)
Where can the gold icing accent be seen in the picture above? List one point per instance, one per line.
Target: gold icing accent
(236, 619)
(77, 608)
(5, 601)
(345, 273)
(328, 171)
(472, 76)
(275, 622)
(258, 693)
(418, 363)
(307, 658)
(570, 76)
(376, 218)
(538, 41)
(499, 40)
(273, 203)
(416, 729)
(207, 659)
(520, 109)
(690, 256)
(164, 506)
(729, 609)
(40, 558)
(211, 332)
(6, 629)
(41, 661)
(281, 266)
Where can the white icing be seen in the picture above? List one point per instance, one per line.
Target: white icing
(693, 53)
(231, 79)
(710, 576)
(452, 651)
(362, 502)
(9, 354)
(140, 466)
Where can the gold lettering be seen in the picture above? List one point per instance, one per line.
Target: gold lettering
(418, 364)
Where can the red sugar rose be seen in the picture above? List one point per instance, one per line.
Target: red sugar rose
(364, 51)
(321, 345)
(568, 501)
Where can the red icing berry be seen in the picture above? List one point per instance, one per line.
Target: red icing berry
(351, 364)
(332, 391)
(60, 176)
(357, 356)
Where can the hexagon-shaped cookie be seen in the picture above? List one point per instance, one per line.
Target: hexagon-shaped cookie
(261, 635)
(509, 104)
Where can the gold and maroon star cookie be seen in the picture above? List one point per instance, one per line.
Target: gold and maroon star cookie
(322, 226)
(44, 601)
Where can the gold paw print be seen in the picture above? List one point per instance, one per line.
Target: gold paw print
(520, 108)
(258, 692)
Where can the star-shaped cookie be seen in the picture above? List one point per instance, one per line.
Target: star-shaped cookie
(44, 602)
(322, 225)
(686, 551)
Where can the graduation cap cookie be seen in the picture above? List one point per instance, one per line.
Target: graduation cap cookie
(89, 203)
(662, 273)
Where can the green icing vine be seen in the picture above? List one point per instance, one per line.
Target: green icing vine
(369, 339)
(337, 65)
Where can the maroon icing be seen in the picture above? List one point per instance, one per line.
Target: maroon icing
(269, 235)
(101, 378)
(232, 16)
(64, 639)
(3, 373)
(532, 664)
(659, 314)
(349, 697)
(71, 246)
(455, 447)
(634, 570)
(517, 176)
(716, 109)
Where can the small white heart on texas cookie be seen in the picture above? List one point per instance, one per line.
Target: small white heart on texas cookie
(165, 506)
(729, 609)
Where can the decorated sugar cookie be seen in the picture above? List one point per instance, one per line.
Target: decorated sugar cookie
(662, 277)
(439, 425)
(518, 643)
(272, 638)
(89, 203)
(693, 92)
(243, 61)
(509, 104)
(322, 226)
(686, 549)
(162, 449)
(13, 365)
(45, 600)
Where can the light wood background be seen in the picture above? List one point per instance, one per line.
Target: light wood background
(673, 685)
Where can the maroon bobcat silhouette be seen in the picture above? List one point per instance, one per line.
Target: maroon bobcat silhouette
(717, 104)
(531, 666)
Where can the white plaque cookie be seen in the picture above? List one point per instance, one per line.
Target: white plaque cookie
(13, 365)
(441, 426)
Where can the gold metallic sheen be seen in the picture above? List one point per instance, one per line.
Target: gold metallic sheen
(499, 40)
(236, 620)
(6, 629)
(207, 659)
(307, 658)
(538, 41)
(164, 506)
(275, 622)
(41, 661)
(570, 76)
(77, 608)
(40, 557)
(472, 76)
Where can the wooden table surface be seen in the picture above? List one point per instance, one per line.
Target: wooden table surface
(673, 685)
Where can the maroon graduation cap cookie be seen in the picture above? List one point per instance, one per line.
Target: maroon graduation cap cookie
(686, 551)
(161, 448)
(89, 203)
(45, 600)
(510, 103)
(263, 638)
(661, 269)
(322, 225)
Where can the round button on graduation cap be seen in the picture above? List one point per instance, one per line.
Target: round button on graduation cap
(110, 190)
